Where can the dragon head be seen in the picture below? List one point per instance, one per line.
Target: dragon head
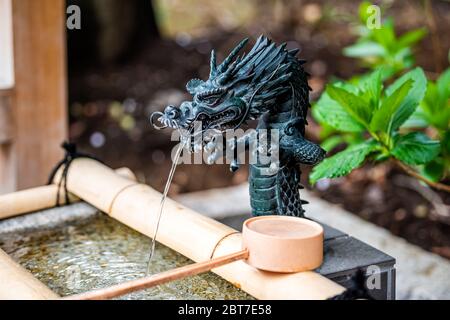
(239, 89)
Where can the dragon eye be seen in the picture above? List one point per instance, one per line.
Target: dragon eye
(210, 99)
(211, 96)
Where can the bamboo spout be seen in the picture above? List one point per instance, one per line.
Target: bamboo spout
(188, 232)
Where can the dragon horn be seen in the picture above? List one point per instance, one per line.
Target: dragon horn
(213, 66)
(227, 74)
(224, 65)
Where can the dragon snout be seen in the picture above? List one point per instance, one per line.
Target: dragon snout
(172, 112)
(169, 118)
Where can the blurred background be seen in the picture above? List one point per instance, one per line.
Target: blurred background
(132, 58)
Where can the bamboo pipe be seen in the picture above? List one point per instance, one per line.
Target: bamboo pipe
(44, 197)
(160, 278)
(188, 232)
(16, 283)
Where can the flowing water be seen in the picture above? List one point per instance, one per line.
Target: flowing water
(98, 252)
(163, 200)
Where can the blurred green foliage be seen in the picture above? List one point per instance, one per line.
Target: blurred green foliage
(380, 46)
(379, 122)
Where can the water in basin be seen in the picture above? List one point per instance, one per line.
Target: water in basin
(98, 252)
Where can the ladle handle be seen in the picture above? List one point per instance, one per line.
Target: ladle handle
(160, 278)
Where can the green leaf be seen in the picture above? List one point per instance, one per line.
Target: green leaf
(354, 138)
(436, 104)
(387, 71)
(343, 162)
(364, 49)
(332, 142)
(315, 113)
(443, 88)
(417, 120)
(434, 170)
(353, 104)
(430, 103)
(386, 35)
(403, 59)
(363, 14)
(415, 95)
(435, 107)
(385, 117)
(415, 148)
(411, 37)
(443, 84)
(332, 113)
(445, 144)
(372, 84)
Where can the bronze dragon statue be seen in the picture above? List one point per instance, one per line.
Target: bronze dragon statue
(268, 84)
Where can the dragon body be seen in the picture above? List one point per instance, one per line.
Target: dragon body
(268, 84)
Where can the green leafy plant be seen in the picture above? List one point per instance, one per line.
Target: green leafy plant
(381, 47)
(377, 49)
(434, 113)
(375, 114)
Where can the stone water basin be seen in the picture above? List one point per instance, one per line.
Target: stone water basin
(94, 251)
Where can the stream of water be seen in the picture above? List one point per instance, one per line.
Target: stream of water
(184, 140)
(163, 200)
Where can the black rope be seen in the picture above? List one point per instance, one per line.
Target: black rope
(357, 289)
(70, 155)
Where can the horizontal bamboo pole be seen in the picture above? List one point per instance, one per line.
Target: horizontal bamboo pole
(188, 232)
(160, 278)
(44, 197)
(16, 283)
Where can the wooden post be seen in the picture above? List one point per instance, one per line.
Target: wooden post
(39, 103)
(6, 44)
(7, 161)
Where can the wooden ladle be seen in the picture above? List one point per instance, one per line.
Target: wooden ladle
(271, 243)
